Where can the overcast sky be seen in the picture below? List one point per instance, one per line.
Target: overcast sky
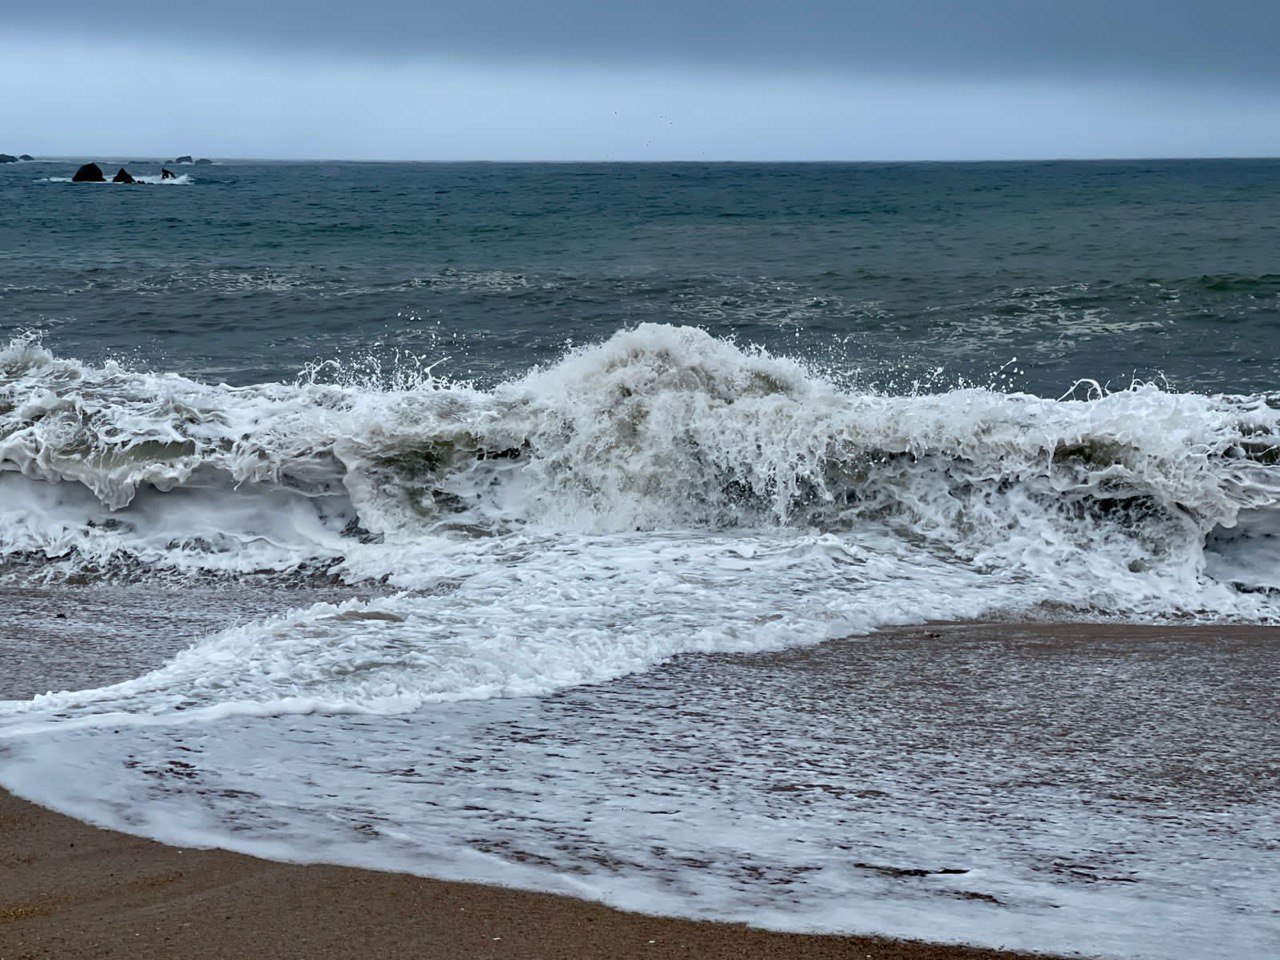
(659, 79)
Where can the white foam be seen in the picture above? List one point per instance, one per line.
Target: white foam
(179, 180)
(212, 529)
(1247, 552)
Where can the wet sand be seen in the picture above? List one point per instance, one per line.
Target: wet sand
(69, 890)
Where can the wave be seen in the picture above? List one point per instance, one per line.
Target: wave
(1266, 284)
(180, 180)
(658, 429)
(530, 527)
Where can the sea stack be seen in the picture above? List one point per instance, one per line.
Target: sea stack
(123, 176)
(89, 173)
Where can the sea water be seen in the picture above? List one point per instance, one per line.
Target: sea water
(533, 524)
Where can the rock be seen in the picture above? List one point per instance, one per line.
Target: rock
(26, 157)
(123, 176)
(183, 159)
(8, 158)
(89, 173)
(204, 162)
(167, 174)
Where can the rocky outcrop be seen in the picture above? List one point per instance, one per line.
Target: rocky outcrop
(89, 173)
(182, 159)
(123, 176)
(26, 157)
(204, 162)
(8, 158)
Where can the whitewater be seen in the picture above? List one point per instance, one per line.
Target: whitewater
(573, 577)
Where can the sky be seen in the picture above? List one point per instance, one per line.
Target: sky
(650, 80)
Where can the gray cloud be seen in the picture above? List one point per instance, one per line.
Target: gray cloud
(188, 99)
(1230, 41)
(663, 79)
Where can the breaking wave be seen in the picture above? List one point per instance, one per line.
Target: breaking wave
(1135, 494)
(179, 180)
(661, 493)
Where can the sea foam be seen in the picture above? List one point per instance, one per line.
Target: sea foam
(659, 429)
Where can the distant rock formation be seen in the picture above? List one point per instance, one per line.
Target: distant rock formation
(167, 174)
(204, 162)
(183, 159)
(123, 176)
(26, 157)
(89, 173)
(8, 158)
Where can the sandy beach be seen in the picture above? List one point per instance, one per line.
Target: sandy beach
(69, 890)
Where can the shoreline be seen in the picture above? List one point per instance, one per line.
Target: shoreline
(68, 889)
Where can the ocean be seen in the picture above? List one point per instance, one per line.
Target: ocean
(882, 548)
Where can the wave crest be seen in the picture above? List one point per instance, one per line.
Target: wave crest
(658, 429)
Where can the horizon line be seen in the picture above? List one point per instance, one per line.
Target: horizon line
(70, 158)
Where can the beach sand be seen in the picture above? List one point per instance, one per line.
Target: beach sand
(69, 890)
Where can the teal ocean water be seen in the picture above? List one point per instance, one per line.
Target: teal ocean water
(893, 273)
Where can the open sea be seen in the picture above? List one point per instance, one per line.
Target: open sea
(571, 527)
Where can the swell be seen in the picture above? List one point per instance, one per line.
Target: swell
(658, 429)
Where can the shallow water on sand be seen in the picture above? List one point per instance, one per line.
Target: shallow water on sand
(1099, 788)
(72, 638)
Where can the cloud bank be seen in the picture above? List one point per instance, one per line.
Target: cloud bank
(573, 80)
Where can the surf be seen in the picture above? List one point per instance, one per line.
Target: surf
(656, 429)
(596, 580)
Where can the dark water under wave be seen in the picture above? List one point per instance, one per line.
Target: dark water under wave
(893, 274)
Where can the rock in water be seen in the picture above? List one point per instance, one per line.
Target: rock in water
(167, 174)
(26, 157)
(8, 158)
(123, 176)
(89, 173)
(204, 162)
(184, 159)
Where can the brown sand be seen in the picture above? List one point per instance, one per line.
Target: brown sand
(69, 890)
